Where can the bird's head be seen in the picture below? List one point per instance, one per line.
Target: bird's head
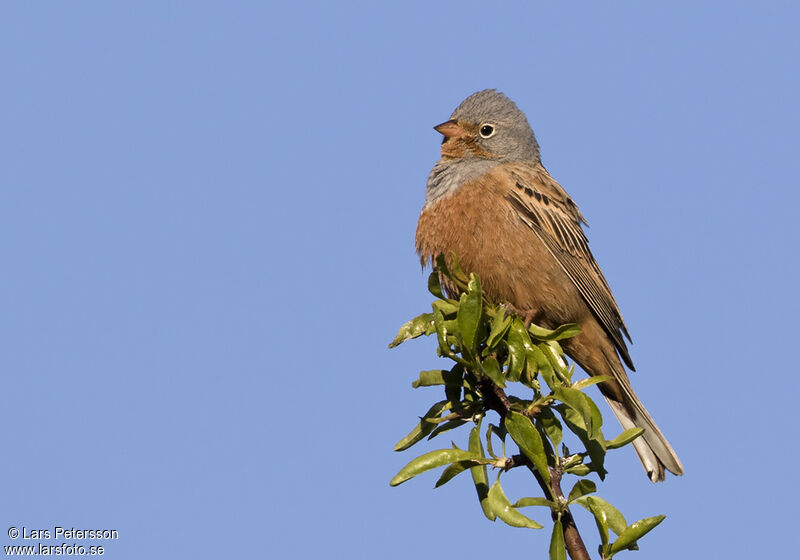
(488, 125)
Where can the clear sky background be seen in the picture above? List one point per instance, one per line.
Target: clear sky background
(207, 214)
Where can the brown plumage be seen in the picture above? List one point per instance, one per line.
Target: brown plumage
(492, 203)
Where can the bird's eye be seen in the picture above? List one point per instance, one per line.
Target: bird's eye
(487, 130)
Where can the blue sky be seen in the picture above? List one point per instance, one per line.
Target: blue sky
(206, 224)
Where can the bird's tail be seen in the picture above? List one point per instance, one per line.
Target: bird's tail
(653, 449)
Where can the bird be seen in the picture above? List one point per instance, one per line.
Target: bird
(490, 202)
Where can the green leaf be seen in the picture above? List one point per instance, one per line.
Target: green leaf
(557, 358)
(589, 381)
(548, 422)
(581, 488)
(445, 306)
(430, 461)
(536, 359)
(598, 506)
(469, 314)
(447, 426)
(529, 441)
(500, 432)
(635, 532)
(433, 377)
(452, 391)
(414, 328)
(597, 420)
(435, 285)
(456, 273)
(479, 476)
(564, 331)
(624, 438)
(491, 368)
(527, 502)
(505, 511)
(600, 518)
(593, 446)
(441, 332)
(557, 549)
(500, 325)
(451, 327)
(424, 427)
(517, 342)
(429, 378)
(457, 468)
(416, 435)
(586, 409)
(579, 470)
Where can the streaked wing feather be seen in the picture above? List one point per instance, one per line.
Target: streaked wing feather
(555, 219)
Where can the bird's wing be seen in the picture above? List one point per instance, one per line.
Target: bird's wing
(544, 206)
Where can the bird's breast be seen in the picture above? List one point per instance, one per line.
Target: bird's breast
(477, 223)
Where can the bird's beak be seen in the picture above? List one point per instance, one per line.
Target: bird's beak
(449, 129)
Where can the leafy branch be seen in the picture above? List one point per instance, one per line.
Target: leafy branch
(491, 349)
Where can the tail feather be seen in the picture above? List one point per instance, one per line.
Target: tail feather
(653, 449)
(594, 351)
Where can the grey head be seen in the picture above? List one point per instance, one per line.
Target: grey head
(485, 130)
(496, 125)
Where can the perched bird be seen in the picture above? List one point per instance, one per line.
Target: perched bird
(490, 202)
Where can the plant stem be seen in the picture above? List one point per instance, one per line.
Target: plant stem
(572, 538)
(495, 398)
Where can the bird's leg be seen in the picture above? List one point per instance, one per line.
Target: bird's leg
(528, 316)
(531, 316)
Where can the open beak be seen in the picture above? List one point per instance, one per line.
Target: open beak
(449, 129)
